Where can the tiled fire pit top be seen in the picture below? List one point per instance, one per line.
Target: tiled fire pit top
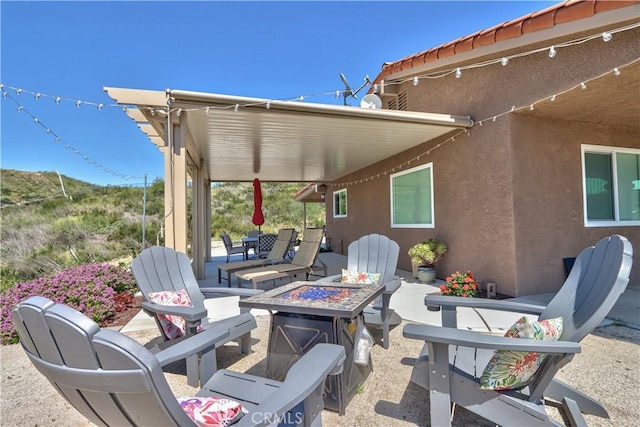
(315, 298)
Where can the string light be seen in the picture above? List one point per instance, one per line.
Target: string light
(480, 123)
(607, 36)
(379, 87)
(415, 81)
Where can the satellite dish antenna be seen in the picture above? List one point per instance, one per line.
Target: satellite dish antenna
(348, 91)
(371, 101)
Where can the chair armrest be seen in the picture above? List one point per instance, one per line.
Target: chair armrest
(392, 285)
(335, 278)
(185, 347)
(304, 377)
(438, 334)
(242, 293)
(435, 302)
(188, 313)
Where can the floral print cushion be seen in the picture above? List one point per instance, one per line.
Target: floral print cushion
(212, 411)
(173, 326)
(509, 369)
(360, 278)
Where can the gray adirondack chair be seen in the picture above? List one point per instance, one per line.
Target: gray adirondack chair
(450, 359)
(115, 381)
(375, 253)
(159, 269)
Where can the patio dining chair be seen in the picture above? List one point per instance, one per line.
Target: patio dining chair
(233, 249)
(276, 255)
(265, 244)
(507, 379)
(291, 250)
(175, 300)
(304, 262)
(114, 380)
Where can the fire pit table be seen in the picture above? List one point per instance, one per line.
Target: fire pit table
(304, 314)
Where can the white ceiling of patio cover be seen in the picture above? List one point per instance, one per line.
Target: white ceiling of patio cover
(290, 141)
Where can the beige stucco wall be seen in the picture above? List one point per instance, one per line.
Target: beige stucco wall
(548, 206)
(508, 196)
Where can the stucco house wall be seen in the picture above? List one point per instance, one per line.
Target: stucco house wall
(508, 194)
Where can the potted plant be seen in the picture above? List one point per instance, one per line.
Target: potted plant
(461, 285)
(424, 255)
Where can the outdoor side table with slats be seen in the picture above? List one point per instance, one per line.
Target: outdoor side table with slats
(299, 324)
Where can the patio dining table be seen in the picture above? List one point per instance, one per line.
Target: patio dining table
(249, 242)
(307, 313)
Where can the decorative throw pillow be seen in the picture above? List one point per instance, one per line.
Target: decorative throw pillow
(212, 411)
(360, 278)
(509, 369)
(173, 326)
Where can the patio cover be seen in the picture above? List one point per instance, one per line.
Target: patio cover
(289, 141)
(218, 138)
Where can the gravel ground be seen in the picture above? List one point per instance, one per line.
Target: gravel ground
(608, 368)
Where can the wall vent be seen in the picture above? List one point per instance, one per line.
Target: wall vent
(398, 102)
(402, 101)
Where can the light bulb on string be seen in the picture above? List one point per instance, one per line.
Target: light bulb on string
(37, 95)
(504, 61)
(552, 52)
(207, 111)
(337, 94)
(301, 99)
(458, 73)
(553, 97)
(236, 107)
(415, 81)
(78, 103)
(616, 71)
(606, 36)
(268, 105)
(18, 91)
(583, 85)
(58, 100)
(100, 107)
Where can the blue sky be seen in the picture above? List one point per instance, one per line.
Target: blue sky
(274, 50)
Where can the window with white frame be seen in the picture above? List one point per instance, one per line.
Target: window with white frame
(412, 198)
(340, 203)
(610, 186)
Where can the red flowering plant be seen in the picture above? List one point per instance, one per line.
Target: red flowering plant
(460, 285)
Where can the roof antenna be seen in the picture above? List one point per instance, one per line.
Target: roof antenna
(348, 91)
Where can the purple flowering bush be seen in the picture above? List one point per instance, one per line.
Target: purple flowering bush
(90, 289)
